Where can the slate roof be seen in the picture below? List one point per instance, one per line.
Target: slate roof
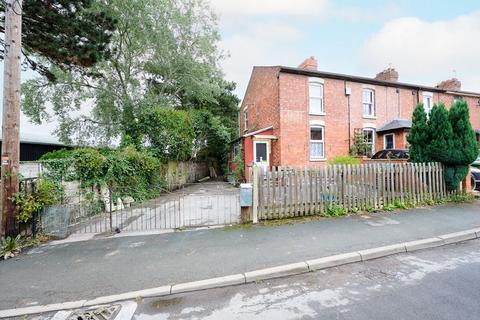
(396, 124)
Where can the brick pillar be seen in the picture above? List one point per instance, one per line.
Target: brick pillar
(467, 183)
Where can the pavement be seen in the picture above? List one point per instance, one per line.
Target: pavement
(95, 268)
(432, 284)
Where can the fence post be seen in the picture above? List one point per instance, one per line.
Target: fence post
(255, 194)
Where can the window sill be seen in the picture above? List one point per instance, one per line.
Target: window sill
(369, 117)
(318, 160)
(317, 114)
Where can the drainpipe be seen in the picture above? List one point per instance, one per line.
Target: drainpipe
(349, 116)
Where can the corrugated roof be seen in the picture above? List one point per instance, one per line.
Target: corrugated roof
(27, 137)
(396, 124)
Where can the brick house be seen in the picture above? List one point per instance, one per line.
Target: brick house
(302, 116)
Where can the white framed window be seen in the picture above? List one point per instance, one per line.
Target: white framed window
(428, 102)
(368, 99)
(245, 120)
(317, 143)
(389, 141)
(369, 135)
(236, 150)
(315, 92)
(261, 153)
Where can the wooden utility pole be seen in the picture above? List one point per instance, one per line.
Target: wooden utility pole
(11, 114)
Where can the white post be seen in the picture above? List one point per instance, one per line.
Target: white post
(255, 194)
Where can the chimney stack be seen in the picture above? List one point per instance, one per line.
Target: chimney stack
(451, 85)
(309, 64)
(389, 74)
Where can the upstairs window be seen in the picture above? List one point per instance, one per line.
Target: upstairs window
(245, 120)
(315, 89)
(368, 103)
(428, 102)
(317, 145)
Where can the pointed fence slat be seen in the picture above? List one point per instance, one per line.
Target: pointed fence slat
(291, 192)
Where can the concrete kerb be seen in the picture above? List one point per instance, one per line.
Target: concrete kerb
(257, 275)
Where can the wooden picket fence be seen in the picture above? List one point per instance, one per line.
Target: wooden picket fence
(289, 192)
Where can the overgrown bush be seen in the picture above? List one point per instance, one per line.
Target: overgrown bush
(359, 146)
(446, 137)
(47, 193)
(168, 132)
(239, 165)
(57, 154)
(9, 247)
(343, 160)
(125, 171)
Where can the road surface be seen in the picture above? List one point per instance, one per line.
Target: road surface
(440, 283)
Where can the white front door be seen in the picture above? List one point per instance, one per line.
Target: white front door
(261, 153)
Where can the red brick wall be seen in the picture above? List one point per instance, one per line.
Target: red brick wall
(283, 103)
(400, 138)
(261, 101)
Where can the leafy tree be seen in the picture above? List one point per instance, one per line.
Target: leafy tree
(225, 106)
(447, 137)
(212, 137)
(464, 146)
(164, 52)
(440, 136)
(70, 34)
(168, 132)
(419, 136)
(464, 150)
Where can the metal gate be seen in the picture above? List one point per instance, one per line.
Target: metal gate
(171, 211)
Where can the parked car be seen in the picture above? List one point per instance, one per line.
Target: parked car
(475, 178)
(391, 154)
(476, 163)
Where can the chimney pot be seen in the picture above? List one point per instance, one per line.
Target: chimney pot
(309, 64)
(389, 74)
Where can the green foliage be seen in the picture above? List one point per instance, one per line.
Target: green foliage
(461, 197)
(343, 160)
(125, 171)
(212, 137)
(440, 136)
(240, 165)
(359, 146)
(400, 205)
(131, 172)
(25, 205)
(57, 154)
(47, 193)
(446, 137)
(336, 211)
(164, 52)
(464, 150)
(454, 175)
(9, 247)
(88, 164)
(169, 132)
(77, 36)
(419, 136)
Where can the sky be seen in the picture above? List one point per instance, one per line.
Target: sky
(426, 41)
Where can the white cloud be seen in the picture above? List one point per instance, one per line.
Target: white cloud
(259, 44)
(428, 52)
(269, 7)
(383, 12)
